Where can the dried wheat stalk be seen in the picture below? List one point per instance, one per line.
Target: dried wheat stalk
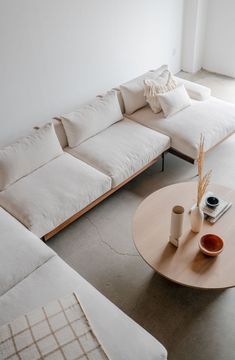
(203, 181)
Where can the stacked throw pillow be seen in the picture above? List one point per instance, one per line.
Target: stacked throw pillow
(164, 94)
(147, 88)
(154, 87)
(133, 90)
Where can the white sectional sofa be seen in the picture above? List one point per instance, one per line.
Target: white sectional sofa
(31, 275)
(61, 170)
(102, 146)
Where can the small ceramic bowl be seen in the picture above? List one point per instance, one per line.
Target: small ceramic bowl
(211, 244)
(212, 201)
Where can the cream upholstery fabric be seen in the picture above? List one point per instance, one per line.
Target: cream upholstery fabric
(60, 132)
(173, 101)
(119, 96)
(18, 244)
(53, 193)
(133, 90)
(92, 118)
(122, 149)
(214, 118)
(120, 99)
(195, 91)
(28, 154)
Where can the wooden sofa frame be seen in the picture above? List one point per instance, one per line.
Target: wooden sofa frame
(101, 198)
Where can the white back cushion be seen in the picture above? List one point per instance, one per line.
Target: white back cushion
(27, 154)
(60, 132)
(92, 118)
(133, 91)
(174, 100)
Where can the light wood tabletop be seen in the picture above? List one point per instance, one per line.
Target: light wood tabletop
(185, 265)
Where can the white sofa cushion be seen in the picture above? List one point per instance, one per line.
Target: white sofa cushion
(122, 149)
(53, 193)
(154, 87)
(133, 90)
(195, 91)
(55, 279)
(214, 118)
(20, 252)
(60, 132)
(173, 101)
(120, 99)
(90, 119)
(28, 154)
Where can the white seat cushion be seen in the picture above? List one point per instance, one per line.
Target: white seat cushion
(214, 118)
(18, 245)
(53, 193)
(122, 149)
(121, 337)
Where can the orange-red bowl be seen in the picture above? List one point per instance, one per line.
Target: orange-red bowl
(211, 244)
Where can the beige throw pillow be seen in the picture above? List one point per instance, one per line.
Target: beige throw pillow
(153, 87)
(174, 100)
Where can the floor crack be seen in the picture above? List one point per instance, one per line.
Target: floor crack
(106, 243)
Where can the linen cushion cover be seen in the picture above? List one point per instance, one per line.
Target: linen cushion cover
(60, 132)
(119, 96)
(174, 100)
(153, 87)
(53, 193)
(121, 150)
(28, 154)
(214, 118)
(18, 246)
(133, 90)
(90, 119)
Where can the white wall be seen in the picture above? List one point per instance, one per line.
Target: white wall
(219, 42)
(57, 54)
(194, 30)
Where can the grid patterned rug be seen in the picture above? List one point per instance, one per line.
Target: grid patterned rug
(59, 330)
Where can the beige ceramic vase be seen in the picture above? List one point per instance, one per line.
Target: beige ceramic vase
(196, 218)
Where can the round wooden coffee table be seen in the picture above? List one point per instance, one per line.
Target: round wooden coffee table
(185, 265)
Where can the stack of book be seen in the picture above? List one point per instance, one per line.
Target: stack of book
(214, 214)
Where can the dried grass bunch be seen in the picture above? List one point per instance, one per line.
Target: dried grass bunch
(203, 180)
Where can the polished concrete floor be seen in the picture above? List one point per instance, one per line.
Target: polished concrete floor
(192, 324)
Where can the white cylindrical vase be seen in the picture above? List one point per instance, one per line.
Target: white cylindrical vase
(196, 218)
(177, 217)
